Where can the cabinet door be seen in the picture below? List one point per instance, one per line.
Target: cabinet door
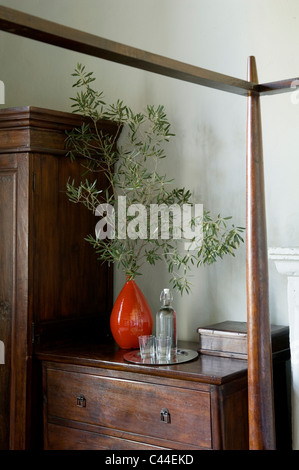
(70, 286)
(7, 275)
(13, 299)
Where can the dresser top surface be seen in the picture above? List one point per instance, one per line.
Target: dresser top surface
(204, 368)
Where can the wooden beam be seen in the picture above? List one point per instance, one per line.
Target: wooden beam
(275, 88)
(32, 27)
(260, 388)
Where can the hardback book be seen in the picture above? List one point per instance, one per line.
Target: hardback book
(229, 339)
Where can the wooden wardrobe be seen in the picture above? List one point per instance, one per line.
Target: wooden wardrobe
(52, 288)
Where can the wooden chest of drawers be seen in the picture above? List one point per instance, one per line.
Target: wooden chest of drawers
(94, 399)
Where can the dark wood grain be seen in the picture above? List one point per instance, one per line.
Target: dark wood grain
(131, 407)
(260, 388)
(223, 379)
(8, 222)
(61, 438)
(206, 399)
(205, 368)
(277, 87)
(29, 26)
(52, 287)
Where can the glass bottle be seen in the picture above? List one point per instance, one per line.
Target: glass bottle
(166, 319)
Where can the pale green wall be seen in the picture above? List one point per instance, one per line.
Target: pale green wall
(208, 154)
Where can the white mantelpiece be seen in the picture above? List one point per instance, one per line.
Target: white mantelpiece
(287, 263)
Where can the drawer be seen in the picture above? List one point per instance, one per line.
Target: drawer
(131, 406)
(65, 438)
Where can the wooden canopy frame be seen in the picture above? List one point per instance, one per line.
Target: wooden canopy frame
(260, 394)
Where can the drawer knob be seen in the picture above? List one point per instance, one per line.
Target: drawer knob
(81, 401)
(165, 415)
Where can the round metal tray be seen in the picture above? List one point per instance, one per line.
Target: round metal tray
(183, 355)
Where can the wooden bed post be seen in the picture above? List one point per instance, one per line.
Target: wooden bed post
(260, 391)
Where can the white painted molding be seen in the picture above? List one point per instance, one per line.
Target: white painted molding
(286, 260)
(287, 263)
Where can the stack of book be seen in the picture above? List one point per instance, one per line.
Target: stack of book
(229, 339)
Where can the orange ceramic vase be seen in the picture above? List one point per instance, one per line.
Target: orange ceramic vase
(131, 317)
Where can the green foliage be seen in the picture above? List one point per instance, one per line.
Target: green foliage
(131, 169)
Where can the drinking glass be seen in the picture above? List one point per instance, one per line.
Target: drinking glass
(147, 346)
(163, 348)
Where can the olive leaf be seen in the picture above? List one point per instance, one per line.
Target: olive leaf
(131, 168)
